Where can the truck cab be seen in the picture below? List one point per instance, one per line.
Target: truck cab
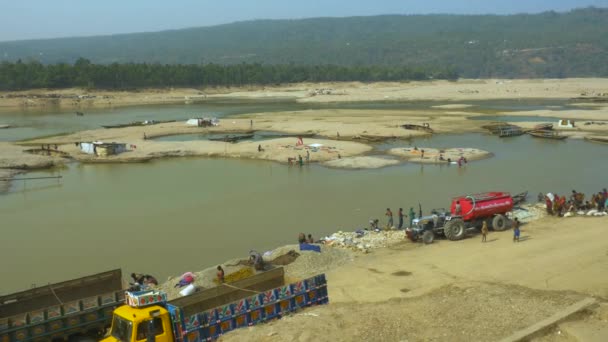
(143, 318)
(150, 323)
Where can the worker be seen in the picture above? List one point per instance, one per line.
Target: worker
(220, 274)
(310, 239)
(400, 215)
(422, 154)
(307, 156)
(457, 209)
(516, 231)
(389, 214)
(484, 231)
(259, 148)
(185, 280)
(301, 238)
(412, 215)
(373, 224)
(300, 161)
(145, 137)
(256, 259)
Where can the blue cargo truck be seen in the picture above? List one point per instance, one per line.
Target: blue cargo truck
(78, 310)
(208, 314)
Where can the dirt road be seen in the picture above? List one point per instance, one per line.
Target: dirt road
(455, 291)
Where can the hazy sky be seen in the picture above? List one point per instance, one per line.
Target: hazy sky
(30, 19)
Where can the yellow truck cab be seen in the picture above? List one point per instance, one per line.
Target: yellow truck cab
(143, 318)
(147, 316)
(136, 324)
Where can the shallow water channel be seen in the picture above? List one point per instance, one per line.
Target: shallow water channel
(177, 215)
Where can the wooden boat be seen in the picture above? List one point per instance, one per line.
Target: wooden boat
(543, 127)
(232, 138)
(602, 140)
(519, 198)
(546, 134)
(375, 138)
(424, 127)
(138, 123)
(5, 126)
(286, 135)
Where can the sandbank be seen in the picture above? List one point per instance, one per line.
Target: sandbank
(363, 162)
(592, 89)
(432, 155)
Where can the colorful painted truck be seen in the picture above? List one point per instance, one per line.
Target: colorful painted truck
(206, 315)
(76, 310)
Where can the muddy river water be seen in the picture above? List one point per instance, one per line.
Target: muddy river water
(176, 215)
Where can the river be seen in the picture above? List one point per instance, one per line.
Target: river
(176, 215)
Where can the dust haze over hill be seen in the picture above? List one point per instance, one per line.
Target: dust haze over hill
(550, 44)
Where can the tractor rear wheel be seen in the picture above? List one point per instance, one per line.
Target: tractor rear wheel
(500, 223)
(428, 237)
(454, 230)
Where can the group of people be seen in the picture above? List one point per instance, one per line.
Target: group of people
(299, 159)
(302, 238)
(142, 281)
(560, 205)
(389, 219)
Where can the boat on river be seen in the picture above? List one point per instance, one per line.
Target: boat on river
(137, 123)
(602, 140)
(5, 126)
(424, 127)
(543, 126)
(547, 134)
(520, 198)
(232, 138)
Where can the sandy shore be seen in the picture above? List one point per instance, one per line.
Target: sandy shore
(400, 290)
(586, 89)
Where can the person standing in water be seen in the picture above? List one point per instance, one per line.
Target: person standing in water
(412, 215)
(389, 214)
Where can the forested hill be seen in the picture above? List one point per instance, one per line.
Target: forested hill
(540, 45)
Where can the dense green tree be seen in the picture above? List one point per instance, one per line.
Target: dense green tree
(20, 75)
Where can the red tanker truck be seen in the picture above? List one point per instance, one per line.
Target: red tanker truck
(466, 213)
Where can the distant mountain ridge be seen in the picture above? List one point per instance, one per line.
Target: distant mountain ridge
(548, 44)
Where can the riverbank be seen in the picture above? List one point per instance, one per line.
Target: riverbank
(407, 286)
(585, 90)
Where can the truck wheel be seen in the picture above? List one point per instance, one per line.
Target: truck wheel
(499, 223)
(428, 237)
(454, 230)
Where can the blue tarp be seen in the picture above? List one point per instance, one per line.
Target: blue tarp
(309, 247)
